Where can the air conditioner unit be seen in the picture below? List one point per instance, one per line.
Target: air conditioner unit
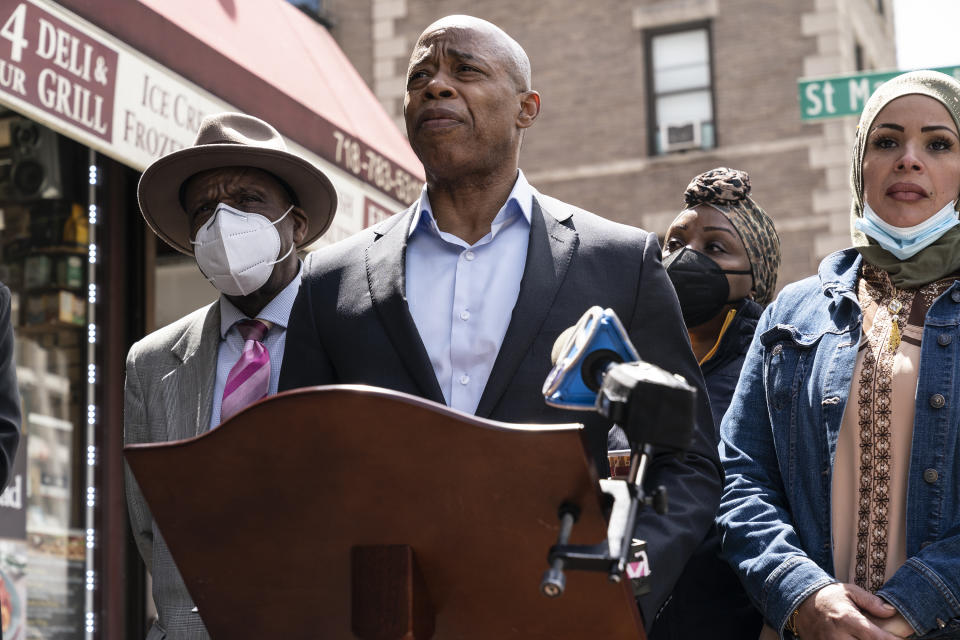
(680, 136)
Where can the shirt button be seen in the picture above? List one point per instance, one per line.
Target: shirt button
(944, 339)
(464, 315)
(937, 401)
(464, 379)
(955, 296)
(930, 476)
(470, 255)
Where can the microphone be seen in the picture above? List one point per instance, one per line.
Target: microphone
(596, 368)
(581, 356)
(560, 343)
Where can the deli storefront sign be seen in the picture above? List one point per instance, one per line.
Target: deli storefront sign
(55, 68)
(79, 80)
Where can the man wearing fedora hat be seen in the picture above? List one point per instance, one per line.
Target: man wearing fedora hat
(241, 204)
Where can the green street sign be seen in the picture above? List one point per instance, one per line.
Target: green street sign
(839, 96)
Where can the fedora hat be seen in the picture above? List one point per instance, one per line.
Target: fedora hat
(231, 140)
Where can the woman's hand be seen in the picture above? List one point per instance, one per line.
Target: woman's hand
(841, 611)
(896, 624)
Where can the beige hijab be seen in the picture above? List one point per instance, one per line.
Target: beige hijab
(943, 256)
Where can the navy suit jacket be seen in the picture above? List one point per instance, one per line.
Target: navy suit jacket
(351, 325)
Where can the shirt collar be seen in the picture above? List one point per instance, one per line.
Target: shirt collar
(521, 195)
(276, 313)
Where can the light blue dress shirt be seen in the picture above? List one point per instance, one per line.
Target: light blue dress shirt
(276, 314)
(461, 296)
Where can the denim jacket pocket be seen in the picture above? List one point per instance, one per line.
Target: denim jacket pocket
(784, 360)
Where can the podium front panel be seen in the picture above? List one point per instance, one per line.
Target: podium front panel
(261, 515)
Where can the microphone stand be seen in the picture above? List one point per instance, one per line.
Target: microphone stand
(655, 409)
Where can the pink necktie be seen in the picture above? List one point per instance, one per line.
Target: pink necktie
(249, 379)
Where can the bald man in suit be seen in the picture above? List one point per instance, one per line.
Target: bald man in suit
(460, 298)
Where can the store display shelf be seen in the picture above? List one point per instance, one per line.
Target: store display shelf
(54, 288)
(27, 376)
(42, 420)
(44, 527)
(46, 327)
(73, 250)
(49, 491)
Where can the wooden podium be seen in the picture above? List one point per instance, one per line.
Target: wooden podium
(356, 512)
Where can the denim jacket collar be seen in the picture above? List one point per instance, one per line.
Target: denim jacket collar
(811, 318)
(838, 273)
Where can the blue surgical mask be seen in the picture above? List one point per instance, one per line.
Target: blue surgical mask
(906, 242)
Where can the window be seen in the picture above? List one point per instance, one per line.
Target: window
(858, 57)
(314, 9)
(880, 7)
(316, 6)
(44, 249)
(680, 89)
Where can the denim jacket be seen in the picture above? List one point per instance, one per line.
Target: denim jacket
(779, 437)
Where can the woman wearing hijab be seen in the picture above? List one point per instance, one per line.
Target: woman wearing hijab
(722, 254)
(841, 511)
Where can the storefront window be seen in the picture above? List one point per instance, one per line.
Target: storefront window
(44, 238)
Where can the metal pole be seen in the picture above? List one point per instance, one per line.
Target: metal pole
(93, 218)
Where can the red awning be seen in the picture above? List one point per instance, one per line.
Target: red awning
(296, 69)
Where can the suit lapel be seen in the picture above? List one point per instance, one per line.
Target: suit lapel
(386, 277)
(188, 389)
(551, 248)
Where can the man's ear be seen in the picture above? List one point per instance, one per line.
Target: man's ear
(529, 108)
(300, 225)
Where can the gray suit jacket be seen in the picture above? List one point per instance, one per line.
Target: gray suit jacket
(351, 324)
(169, 396)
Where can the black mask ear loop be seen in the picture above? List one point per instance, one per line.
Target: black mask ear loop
(741, 272)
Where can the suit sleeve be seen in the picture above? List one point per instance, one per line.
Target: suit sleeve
(305, 362)
(135, 432)
(694, 481)
(9, 395)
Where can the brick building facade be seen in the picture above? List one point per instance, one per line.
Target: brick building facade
(639, 96)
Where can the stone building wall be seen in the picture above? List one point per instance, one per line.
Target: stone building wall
(590, 145)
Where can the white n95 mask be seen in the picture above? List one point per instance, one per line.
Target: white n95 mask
(236, 250)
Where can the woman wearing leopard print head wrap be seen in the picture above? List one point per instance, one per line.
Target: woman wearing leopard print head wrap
(721, 253)
(841, 446)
